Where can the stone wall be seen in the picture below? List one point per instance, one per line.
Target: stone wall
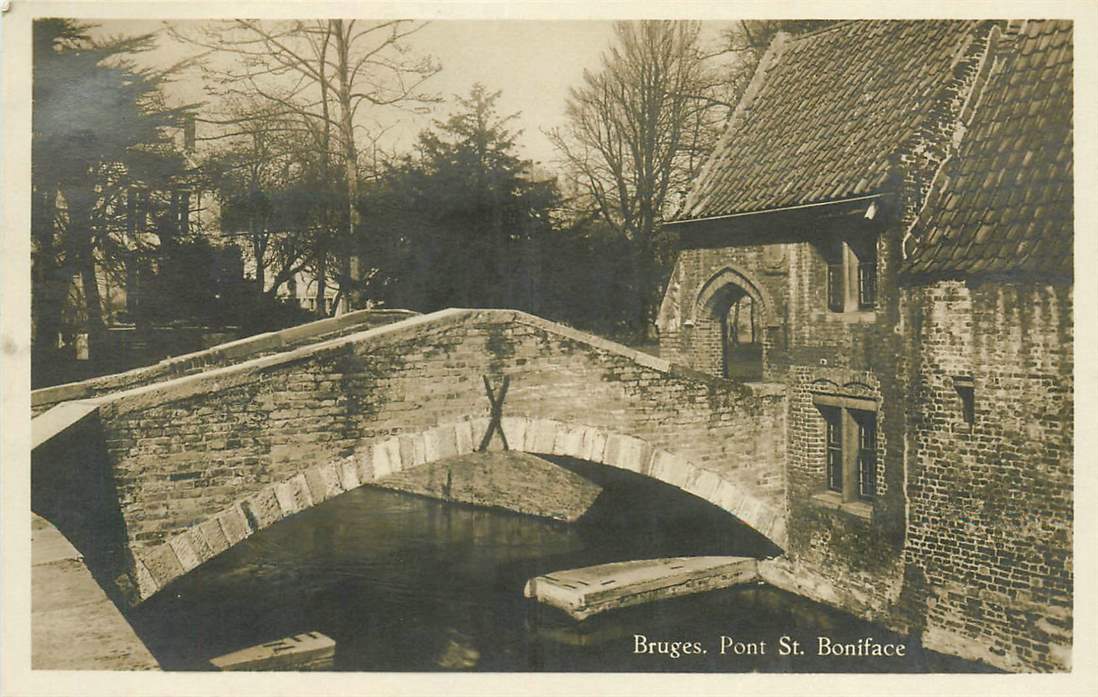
(989, 537)
(200, 462)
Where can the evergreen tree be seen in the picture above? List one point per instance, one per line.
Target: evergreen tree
(98, 123)
(467, 213)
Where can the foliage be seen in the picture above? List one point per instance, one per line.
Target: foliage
(634, 128)
(99, 125)
(456, 225)
(313, 79)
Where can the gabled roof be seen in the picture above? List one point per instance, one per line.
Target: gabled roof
(827, 112)
(1004, 203)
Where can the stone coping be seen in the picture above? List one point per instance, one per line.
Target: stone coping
(229, 351)
(47, 425)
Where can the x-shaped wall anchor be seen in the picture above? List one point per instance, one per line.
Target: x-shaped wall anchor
(497, 413)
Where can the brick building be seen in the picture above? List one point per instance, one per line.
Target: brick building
(885, 229)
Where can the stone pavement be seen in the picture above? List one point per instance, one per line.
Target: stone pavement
(74, 625)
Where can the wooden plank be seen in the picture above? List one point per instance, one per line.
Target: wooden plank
(306, 651)
(594, 589)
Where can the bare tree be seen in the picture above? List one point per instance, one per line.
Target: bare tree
(321, 73)
(636, 133)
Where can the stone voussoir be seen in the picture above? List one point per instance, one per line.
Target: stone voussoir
(671, 469)
(323, 482)
(627, 453)
(348, 473)
(162, 563)
(413, 450)
(184, 551)
(703, 484)
(293, 494)
(440, 443)
(234, 524)
(463, 434)
(146, 584)
(264, 508)
(515, 427)
(213, 535)
(385, 456)
(540, 436)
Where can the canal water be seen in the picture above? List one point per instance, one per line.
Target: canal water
(404, 583)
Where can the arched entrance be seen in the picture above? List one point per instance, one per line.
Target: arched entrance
(732, 315)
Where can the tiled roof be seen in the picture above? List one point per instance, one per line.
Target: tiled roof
(823, 119)
(1005, 201)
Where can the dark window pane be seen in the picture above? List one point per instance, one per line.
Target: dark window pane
(184, 212)
(836, 294)
(867, 454)
(834, 449)
(867, 285)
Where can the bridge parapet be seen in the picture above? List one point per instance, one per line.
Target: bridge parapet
(223, 354)
(200, 462)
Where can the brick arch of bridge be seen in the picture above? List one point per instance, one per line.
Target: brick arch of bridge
(155, 568)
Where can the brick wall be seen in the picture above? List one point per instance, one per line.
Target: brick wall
(990, 524)
(223, 354)
(810, 350)
(969, 539)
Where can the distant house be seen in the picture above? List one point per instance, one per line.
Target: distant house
(152, 215)
(885, 229)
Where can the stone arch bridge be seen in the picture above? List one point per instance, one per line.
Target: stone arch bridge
(152, 480)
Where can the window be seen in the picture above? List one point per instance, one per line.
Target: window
(850, 467)
(966, 390)
(851, 273)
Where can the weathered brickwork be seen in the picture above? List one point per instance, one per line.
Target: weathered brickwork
(973, 549)
(812, 351)
(201, 462)
(990, 522)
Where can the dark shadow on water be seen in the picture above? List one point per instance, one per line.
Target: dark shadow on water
(404, 583)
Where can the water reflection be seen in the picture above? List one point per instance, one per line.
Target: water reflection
(406, 583)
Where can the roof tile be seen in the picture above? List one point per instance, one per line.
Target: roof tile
(831, 108)
(1015, 214)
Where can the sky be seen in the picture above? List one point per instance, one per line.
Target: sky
(532, 62)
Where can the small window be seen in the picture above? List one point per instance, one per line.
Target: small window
(851, 273)
(966, 390)
(836, 288)
(137, 211)
(850, 446)
(867, 285)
